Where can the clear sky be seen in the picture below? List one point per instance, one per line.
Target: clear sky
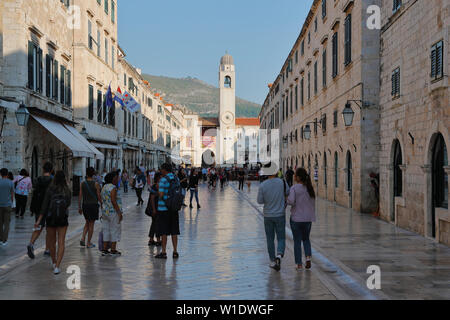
(179, 38)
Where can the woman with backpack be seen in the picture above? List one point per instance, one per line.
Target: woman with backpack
(88, 205)
(22, 187)
(112, 214)
(55, 211)
(302, 198)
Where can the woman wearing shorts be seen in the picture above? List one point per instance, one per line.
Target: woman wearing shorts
(88, 205)
(56, 225)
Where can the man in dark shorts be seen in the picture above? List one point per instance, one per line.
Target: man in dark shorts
(40, 188)
(90, 198)
(168, 222)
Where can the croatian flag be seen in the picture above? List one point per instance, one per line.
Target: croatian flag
(130, 103)
(119, 98)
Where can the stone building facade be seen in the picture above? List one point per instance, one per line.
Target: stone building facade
(36, 69)
(95, 49)
(61, 71)
(334, 61)
(415, 116)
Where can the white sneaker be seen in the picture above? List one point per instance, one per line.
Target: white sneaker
(5, 243)
(56, 271)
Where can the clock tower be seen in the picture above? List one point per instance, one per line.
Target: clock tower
(227, 110)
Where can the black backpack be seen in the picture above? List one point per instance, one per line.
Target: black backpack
(174, 199)
(57, 209)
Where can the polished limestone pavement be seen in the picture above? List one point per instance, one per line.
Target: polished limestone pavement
(412, 267)
(222, 256)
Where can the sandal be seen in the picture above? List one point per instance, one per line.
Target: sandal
(90, 246)
(176, 255)
(161, 256)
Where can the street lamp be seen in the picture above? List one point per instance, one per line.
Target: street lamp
(124, 144)
(22, 115)
(285, 142)
(348, 114)
(307, 132)
(84, 133)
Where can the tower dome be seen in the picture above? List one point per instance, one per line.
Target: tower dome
(227, 59)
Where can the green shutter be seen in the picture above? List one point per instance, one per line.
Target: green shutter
(55, 79)
(48, 77)
(40, 72)
(62, 86)
(30, 65)
(433, 62)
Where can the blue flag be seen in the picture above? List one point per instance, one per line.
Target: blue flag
(109, 98)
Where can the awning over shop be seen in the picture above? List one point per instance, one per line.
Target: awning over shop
(105, 146)
(98, 154)
(70, 137)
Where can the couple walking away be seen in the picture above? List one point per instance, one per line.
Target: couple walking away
(275, 195)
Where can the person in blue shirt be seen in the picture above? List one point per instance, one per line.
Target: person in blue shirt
(6, 200)
(168, 222)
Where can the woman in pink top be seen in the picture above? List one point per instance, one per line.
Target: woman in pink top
(302, 198)
(23, 185)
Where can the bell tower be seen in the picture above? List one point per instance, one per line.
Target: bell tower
(227, 110)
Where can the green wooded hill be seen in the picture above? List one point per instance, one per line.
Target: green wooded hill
(198, 96)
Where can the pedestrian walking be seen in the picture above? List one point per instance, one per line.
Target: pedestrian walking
(204, 175)
(193, 187)
(272, 194)
(125, 180)
(183, 183)
(112, 215)
(89, 202)
(303, 213)
(39, 191)
(6, 200)
(55, 210)
(152, 211)
(241, 179)
(290, 176)
(22, 187)
(13, 206)
(139, 184)
(168, 221)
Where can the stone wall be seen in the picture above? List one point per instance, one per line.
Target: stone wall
(356, 81)
(421, 111)
(43, 22)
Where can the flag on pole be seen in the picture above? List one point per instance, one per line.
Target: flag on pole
(119, 97)
(130, 103)
(109, 99)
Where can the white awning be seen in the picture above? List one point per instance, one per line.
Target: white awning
(79, 146)
(105, 146)
(98, 154)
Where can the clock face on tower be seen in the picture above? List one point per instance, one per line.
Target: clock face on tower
(227, 118)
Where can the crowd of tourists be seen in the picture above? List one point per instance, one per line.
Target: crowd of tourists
(100, 198)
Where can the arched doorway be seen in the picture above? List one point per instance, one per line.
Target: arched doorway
(336, 173)
(439, 179)
(34, 164)
(397, 179)
(349, 178)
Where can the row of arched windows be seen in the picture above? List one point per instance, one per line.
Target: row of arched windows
(348, 166)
